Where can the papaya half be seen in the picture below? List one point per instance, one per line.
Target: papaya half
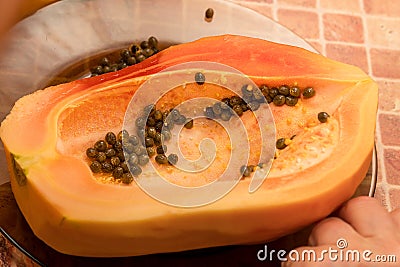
(78, 212)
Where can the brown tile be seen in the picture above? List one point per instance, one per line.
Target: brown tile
(345, 28)
(383, 32)
(352, 6)
(381, 195)
(382, 7)
(262, 9)
(389, 97)
(389, 129)
(385, 63)
(394, 195)
(303, 3)
(304, 23)
(354, 55)
(392, 165)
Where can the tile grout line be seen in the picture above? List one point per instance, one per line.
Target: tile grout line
(394, 186)
(387, 112)
(357, 45)
(365, 32)
(362, 44)
(383, 79)
(391, 147)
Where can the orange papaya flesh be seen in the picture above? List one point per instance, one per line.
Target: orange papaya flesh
(70, 209)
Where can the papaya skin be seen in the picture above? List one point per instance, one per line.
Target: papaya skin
(73, 213)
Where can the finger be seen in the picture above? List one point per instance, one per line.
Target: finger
(367, 216)
(331, 230)
(395, 214)
(304, 257)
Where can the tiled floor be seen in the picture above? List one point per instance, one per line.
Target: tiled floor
(365, 33)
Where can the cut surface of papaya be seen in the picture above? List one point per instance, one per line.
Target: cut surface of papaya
(78, 212)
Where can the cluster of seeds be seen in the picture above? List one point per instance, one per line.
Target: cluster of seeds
(130, 56)
(157, 129)
(246, 171)
(107, 156)
(115, 153)
(250, 100)
(285, 94)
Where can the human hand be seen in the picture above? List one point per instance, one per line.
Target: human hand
(363, 228)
